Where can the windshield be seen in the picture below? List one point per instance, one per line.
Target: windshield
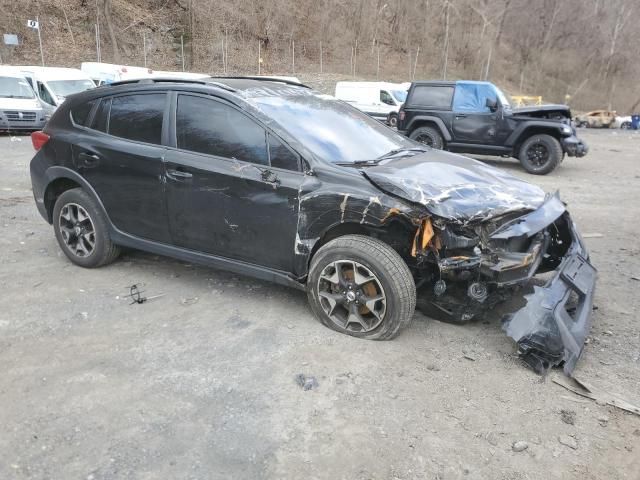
(64, 88)
(13, 87)
(331, 129)
(504, 99)
(399, 95)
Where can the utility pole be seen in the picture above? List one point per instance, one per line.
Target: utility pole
(320, 57)
(293, 56)
(40, 40)
(144, 48)
(259, 56)
(182, 50)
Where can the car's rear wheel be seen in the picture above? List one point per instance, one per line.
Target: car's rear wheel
(81, 230)
(361, 287)
(393, 120)
(540, 154)
(428, 136)
(625, 125)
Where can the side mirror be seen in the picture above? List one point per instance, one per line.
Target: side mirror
(492, 104)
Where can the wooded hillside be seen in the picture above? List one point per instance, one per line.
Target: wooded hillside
(587, 49)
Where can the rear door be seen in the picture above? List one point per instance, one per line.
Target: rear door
(232, 186)
(122, 159)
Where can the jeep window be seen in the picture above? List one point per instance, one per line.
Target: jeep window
(505, 100)
(137, 117)
(13, 87)
(332, 130)
(386, 98)
(100, 120)
(214, 128)
(280, 156)
(399, 95)
(80, 113)
(472, 97)
(438, 97)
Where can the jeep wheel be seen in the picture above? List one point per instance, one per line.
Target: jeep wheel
(81, 230)
(392, 120)
(428, 136)
(361, 287)
(540, 154)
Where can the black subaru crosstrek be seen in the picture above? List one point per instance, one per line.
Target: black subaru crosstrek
(274, 180)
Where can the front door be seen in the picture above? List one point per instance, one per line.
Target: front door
(473, 121)
(232, 187)
(124, 165)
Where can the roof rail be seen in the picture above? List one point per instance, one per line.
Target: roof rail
(265, 79)
(143, 81)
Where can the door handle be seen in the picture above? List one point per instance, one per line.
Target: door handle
(461, 115)
(179, 175)
(88, 159)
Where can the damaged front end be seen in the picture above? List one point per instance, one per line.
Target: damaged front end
(467, 269)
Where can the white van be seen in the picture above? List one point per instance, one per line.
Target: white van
(20, 108)
(381, 100)
(102, 73)
(54, 84)
(179, 75)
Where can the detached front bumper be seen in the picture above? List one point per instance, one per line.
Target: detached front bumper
(552, 327)
(574, 147)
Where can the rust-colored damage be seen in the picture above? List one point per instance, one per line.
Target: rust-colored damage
(424, 235)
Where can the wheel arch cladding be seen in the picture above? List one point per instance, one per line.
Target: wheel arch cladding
(54, 189)
(429, 121)
(532, 131)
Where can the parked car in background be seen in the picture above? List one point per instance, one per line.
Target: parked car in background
(477, 117)
(20, 108)
(102, 73)
(274, 180)
(52, 84)
(381, 100)
(596, 119)
(622, 121)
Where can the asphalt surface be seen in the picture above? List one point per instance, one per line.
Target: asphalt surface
(200, 383)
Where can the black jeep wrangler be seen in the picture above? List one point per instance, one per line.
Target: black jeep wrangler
(476, 117)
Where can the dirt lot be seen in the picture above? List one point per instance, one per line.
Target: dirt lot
(199, 383)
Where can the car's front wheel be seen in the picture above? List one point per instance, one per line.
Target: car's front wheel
(540, 154)
(428, 136)
(81, 230)
(360, 286)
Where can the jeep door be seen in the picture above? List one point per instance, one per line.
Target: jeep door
(120, 155)
(231, 185)
(473, 121)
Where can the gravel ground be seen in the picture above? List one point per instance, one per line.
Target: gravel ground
(200, 383)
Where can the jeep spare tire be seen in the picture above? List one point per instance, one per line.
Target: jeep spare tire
(428, 136)
(540, 154)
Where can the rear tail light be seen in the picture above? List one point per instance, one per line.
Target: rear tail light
(401, 115)
(39, 139)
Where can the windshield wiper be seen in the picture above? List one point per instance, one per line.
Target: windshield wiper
(393, 153)
(360, 163)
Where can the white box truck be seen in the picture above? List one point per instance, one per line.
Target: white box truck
(381, 100)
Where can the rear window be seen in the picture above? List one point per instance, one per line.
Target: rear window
(432, 96)
(137, 117)
(80, 113)
(100, 120)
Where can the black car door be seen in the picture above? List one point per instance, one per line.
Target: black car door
(473, 121)
(232, 187)
(124, 164)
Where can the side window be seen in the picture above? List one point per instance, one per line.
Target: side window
(100, 120)
(430, 96)
(80, 114)
(138, 117)
(281, 157)
(385, 97)
(44, 94)
(211, 127)
(472, 97)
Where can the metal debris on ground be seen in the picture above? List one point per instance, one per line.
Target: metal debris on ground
(135, 294)
(189, 301)
(306, 382)
(583, 389)
(519, 446)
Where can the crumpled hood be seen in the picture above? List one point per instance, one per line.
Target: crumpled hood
(532, 110)
(455, 187)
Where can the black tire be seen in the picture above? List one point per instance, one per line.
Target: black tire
(392, 120)
(540, 154)
(78, 248)
(625, 125)
(428, 136)
(387, 267)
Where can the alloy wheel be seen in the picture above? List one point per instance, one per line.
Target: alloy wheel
(538, 154)
(352, 296)
(77, 230)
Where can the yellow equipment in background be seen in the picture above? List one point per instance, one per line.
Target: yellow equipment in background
(524, 100)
